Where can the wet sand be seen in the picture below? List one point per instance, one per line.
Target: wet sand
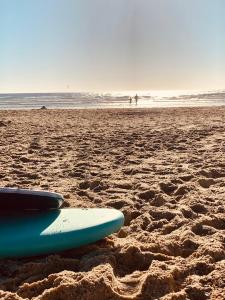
(164, 168)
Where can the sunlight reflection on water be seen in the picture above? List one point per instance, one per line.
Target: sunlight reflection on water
(147, 99)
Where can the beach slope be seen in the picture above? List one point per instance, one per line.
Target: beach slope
(163, 168)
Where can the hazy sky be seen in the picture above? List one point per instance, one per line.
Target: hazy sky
(102, 45)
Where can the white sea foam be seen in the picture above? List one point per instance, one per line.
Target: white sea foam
(147, 99)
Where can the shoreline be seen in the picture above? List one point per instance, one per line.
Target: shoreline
(114, 108)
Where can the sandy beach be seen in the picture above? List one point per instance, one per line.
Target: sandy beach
(163, 168)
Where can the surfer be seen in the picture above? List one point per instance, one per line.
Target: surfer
(136, 98)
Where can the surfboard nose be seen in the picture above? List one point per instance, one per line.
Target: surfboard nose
(105, 215)
(118, 216)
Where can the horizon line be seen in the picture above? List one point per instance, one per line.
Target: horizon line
(113, 91)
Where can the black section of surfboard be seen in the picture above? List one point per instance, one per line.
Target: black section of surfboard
(23, 199)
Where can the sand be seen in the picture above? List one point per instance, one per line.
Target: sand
(164, 168)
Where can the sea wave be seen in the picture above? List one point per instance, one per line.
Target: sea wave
(146, 99)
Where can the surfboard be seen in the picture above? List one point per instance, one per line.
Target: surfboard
(36, 233)
(20, 199)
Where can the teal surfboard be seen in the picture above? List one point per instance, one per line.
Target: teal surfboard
(36, 233)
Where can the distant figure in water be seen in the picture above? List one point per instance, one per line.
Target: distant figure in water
(130, 99)
(136, 98)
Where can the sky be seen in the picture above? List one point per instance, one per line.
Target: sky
(111, 45)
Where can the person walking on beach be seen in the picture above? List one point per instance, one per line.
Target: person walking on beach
(136, 98)
(130, 99)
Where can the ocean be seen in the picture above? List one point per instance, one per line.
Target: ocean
(147, 99)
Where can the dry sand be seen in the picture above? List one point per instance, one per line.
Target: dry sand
(164, 168)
